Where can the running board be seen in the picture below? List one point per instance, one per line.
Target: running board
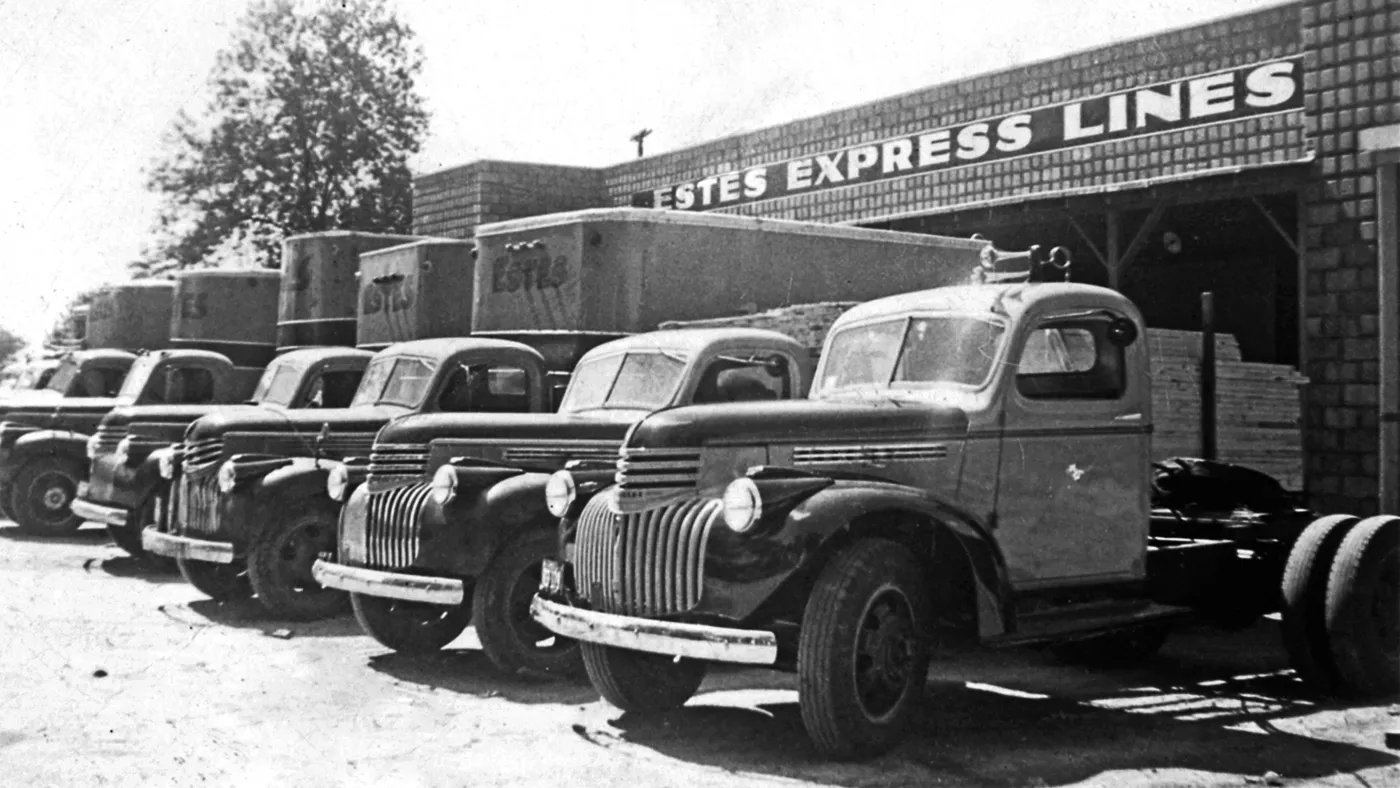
(1081, 621)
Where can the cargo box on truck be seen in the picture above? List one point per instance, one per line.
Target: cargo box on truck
(132, 316)
(418, 290)
(316, 306)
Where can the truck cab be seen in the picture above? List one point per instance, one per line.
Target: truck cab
(448, 522)
(251, 510)
(43, 445)
(125, 490)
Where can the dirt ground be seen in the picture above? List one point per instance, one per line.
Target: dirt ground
(114, 672)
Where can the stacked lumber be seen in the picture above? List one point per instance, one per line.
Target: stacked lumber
(1257, 412)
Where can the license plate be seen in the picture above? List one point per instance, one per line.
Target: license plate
(552, 577)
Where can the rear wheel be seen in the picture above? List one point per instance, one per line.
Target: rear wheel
(279, 566)
(1305, 600)
(641, 682)
(410, 627)
(1363, 609)
(219, 582)
(862, 655)
(511, 638)
(43, 494)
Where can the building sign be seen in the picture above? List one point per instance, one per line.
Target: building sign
(1247, 91)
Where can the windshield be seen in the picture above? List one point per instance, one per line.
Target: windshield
(912, 353)
(643, 381)
(395, 380)
(279, 383)
(138, 375)
(63, 375)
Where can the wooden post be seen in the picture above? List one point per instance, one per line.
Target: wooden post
(1208, 376)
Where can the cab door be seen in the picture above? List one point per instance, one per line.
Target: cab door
(1072, 500)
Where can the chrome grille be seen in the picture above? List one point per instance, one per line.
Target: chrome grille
(203, 454)
(198, 505)
(646, 564)
(108, 438)
(392, 464)
(392, 527)
(658, 469)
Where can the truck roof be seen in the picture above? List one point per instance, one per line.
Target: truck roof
(441, 346)
(1008, 299)
(694, 219)
(689, 340)
(104, 354)
(314, 354)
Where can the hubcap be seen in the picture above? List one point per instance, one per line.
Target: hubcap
(886, 648)
(55, 498)
(53, 491)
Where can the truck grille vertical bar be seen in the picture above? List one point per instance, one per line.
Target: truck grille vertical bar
(649, 563)
(393, 525)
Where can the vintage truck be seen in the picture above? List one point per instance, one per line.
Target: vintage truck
(970, 469)
(125, 490)
(450, 525)
(251, 510)
(220, 334)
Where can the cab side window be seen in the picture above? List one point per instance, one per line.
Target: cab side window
(486, 389)
(331, 390)
(188, 386)
(737, 380)
(98, 382)
(1071, 359)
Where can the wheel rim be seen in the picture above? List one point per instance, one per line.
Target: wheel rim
(54, 491)
(298, 552)
(526, 629)
(886, 654)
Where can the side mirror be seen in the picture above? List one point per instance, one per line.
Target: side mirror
(1122, 332)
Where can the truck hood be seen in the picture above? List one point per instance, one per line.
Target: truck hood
(308, 421)
(594, 425)
(752, 423)
(124, 417)
(54, 409)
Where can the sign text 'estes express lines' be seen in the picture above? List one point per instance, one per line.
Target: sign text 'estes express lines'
(1248, 91)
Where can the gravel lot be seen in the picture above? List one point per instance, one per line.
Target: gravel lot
(115, 672)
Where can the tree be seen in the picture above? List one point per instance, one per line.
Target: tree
(10, 346)
(311, 121)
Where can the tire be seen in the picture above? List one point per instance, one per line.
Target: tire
(43, 492)
(862, 656)
(410, 627)
(128, 537)
(1305, 600)
(640, 682)
(1363, 609)
(219, 582)
(1122, 648)
(6, 511)
(279, 566)
(510, 637)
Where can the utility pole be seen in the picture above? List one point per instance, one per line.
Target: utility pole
(638, 138)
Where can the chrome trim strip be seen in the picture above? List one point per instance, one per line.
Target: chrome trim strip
(97, 513)
(162, 543)
(696, 641)
(411, 588)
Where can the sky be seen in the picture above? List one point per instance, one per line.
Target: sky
(89, 87)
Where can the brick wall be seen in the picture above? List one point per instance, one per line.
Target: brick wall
(1250, 38)
(452, 203)
(1352, 77)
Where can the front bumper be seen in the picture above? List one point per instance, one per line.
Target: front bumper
(162, 543)
(373, 582)
(98, 513)
(696, 641)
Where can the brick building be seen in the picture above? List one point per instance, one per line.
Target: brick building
(1254, 156)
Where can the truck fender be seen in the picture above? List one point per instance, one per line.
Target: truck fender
(494, 515)
(65, 443)
(298, 480)
(823, 521)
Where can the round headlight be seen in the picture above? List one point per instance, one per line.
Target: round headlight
(228, 477)
(123, 450)
(560, 492)
(742, 504)
(337, 481)
(444, 485)
(92, 447)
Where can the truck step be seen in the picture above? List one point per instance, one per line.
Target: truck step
(1085, 619)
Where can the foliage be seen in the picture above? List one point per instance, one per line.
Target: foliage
(312, 118)
(10, 345)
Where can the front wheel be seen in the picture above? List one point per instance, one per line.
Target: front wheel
(6, 510)
(219, 582)
(128, 537)
(410, 627)
(43, 494)
(641, 682)
(279, 567)
(862, 655)
(511, 638)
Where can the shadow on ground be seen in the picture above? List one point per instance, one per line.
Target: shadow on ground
(469, 672)
(250, 614)
(152, 569)
(89, 534)
(1013, 719)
